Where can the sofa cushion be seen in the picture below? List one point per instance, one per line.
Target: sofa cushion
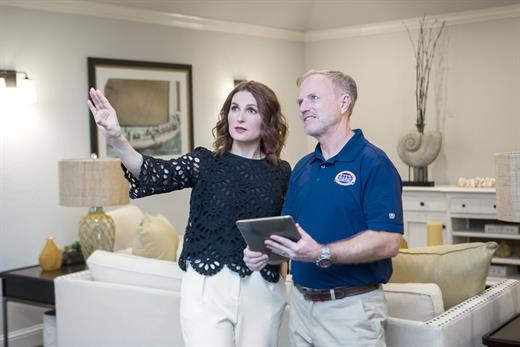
(134, 270)
(414, 301)
(460, 270)
(155, 238)
(127, 220)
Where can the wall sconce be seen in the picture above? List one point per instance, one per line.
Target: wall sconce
(22, 90)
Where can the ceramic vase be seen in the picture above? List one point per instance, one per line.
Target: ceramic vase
(50, 256)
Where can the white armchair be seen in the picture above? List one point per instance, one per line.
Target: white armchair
(92, 313)
(462, 325)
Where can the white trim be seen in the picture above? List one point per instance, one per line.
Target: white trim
(81, 7)
(86, 8)
(457, 18)
(23, 333)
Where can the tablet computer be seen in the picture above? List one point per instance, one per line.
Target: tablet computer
(255, 231)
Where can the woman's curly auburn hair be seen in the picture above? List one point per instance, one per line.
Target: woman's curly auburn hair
(274, 126)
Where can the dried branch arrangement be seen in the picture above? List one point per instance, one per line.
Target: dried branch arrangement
(424, 50)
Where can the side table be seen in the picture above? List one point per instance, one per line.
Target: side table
(30, 285)
(507, 335)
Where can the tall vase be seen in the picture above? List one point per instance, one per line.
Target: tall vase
(50, 256)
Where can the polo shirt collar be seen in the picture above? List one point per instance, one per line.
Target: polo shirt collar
(349, 152)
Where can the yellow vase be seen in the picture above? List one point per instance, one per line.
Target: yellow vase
(50, 256)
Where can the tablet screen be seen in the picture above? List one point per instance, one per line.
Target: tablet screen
(255, 231)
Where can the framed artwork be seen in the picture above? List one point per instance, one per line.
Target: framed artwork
(153, 102)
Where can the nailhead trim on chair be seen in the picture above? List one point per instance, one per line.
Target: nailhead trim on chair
(468, 306)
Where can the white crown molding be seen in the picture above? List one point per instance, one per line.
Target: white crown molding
(81, 7)
(412, 23)
(86, 8)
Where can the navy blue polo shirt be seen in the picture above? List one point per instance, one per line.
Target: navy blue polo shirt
(356, 190)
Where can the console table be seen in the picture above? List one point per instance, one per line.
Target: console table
(30, 285)
(464, 212)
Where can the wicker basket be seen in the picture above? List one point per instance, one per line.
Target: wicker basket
(507, 170)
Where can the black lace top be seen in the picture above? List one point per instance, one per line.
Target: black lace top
(224, 190)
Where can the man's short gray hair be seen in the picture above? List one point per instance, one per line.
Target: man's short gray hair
(341, 82)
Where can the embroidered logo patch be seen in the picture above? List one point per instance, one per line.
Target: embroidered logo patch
(345, 178)
(391, 215)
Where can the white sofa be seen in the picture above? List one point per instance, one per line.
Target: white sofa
(117, 305)
(125, 300)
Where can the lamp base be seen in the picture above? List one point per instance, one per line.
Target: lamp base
(97, 230)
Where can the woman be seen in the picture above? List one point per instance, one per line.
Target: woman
(223, 302)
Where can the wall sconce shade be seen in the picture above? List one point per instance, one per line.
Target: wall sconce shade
(25, 89)
(9, 77)
(507, 171)
(92, 182)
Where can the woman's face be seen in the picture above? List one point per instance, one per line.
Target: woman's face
(245, 121)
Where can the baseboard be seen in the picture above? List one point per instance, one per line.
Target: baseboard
(30, 336)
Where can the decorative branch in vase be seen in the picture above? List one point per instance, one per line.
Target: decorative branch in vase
(424, 50)
(417, 148)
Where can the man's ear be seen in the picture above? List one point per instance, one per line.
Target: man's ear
(345, 103)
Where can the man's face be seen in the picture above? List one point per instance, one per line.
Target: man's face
(320, 106)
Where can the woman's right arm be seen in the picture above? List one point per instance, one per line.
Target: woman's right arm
(106, 120)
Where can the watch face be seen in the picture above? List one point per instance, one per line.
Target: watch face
(324, 263)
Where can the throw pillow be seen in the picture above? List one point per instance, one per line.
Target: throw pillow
(155, 238)
(126, 219)
(460, 270)
(413, 301)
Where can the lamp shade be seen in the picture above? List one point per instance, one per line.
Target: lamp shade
(92, 182)
(507, 171)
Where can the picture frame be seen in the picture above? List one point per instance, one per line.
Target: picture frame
(153, 101)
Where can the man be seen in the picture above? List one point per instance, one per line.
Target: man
(346, 200)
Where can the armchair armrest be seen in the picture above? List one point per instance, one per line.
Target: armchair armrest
(463, 324)
(94, 313)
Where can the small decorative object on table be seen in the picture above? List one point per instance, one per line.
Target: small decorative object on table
(50, 256)
(72, 254)
(503, 250)
(477, 182)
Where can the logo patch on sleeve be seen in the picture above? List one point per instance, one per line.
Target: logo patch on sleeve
(345, 178)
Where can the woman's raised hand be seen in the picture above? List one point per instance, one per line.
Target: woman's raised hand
(104, 115)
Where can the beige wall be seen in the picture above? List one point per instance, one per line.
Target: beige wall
(473, 95)
(53, 48)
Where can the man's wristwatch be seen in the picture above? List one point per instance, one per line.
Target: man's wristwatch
(324, 260)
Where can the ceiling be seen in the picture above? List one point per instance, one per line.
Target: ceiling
(309, 15)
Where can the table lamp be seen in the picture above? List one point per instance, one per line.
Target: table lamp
(93, 183)
(507, 171)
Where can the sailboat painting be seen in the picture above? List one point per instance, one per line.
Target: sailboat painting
(153, 107)
(143, 110)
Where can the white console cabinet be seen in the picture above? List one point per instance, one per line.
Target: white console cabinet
(464, 213)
